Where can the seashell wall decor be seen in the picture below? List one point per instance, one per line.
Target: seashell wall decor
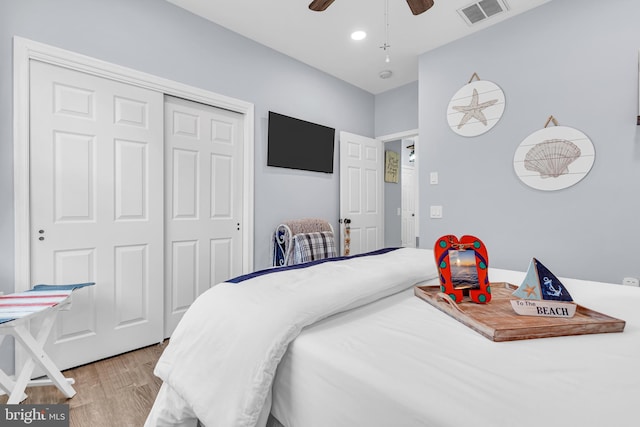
(554, 158)
(475, 108)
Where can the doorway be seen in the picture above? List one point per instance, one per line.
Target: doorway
(401, 216)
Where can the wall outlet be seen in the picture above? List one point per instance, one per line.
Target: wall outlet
(631, 281)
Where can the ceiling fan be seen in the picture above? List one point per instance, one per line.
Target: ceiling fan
(416, 6)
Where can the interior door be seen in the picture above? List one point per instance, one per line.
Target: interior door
(96, 197)
(204, 198)
(361, 202)
(408, 210)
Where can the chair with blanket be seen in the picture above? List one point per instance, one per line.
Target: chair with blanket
(303, 240)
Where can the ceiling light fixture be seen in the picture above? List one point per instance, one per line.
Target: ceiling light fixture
(358, 35)
(386, 46)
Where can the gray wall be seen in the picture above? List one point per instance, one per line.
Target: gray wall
(578, 61)
(397, 110)
(158, 38)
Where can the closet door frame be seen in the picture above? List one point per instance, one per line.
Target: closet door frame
(24, 51)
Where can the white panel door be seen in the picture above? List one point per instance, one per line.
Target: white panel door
(361, 193)
(408, 207)
(96, 155)
(204, 181)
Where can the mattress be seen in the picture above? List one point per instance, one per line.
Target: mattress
(401, 362)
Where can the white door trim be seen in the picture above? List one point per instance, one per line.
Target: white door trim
(398, 135)
(25, 50)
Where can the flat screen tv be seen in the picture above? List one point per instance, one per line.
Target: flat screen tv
(298, 144)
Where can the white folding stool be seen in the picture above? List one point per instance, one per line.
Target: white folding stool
(16, 310)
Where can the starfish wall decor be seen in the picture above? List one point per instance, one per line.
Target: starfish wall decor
(476, 108)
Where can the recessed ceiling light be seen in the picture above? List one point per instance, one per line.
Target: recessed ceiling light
(358, 35)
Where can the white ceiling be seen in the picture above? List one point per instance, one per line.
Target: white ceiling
(322, 39)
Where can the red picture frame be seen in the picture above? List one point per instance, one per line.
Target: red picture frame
(467, 255)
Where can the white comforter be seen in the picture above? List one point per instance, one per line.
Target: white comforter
(401, 362)
(222, 357)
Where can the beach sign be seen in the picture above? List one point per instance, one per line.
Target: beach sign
(542, 294)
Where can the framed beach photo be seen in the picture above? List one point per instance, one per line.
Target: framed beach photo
(464, 273)
(463, 266)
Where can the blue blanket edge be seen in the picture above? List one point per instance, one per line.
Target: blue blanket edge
(248, 276)
(38, 288)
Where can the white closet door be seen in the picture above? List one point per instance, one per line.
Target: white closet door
(204, 182)
(96, 158)
(361, 192)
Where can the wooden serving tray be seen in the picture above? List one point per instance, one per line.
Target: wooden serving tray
(498, 322)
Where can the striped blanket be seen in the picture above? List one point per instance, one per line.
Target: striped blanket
(313, 246)
(22, 304)
(283, 243)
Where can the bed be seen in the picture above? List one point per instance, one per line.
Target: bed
(371, 353)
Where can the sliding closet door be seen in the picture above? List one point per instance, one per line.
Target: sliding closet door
(204, 201)
(96, 159)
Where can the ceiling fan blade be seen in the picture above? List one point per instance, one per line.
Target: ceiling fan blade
(419, 6)
(320, 5)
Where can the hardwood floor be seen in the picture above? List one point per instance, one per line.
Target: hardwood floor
(118, 391)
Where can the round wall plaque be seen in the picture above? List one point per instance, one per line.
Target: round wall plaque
(475, 108)
(554, 158)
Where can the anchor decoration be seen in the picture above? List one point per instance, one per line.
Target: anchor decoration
(542, 294)
(463, 266)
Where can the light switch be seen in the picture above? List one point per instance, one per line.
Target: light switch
(433, 178)
(436, 211)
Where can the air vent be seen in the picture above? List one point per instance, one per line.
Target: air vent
(482, 10)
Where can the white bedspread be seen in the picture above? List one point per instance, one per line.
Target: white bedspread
(223, 355)
(401, 362)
